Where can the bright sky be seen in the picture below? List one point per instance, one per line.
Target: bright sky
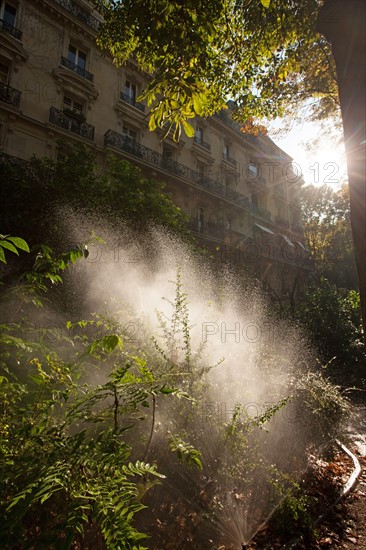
(325, 163)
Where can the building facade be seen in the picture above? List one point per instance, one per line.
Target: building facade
(240, 191)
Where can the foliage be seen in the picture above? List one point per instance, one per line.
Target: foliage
(333, 320)
(319, 402)
(66, 472)
(13, 244)
(267, 56)
(327, 228)
(89, 417)
(32, 190)
(185, 452)
(293, 517)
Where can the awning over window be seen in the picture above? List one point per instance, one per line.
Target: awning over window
(264, 229)
(290, 243)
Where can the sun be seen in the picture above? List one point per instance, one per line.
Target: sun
(324, 166)
(319, 158)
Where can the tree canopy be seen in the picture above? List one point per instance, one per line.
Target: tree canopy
(272, 57)
(265, 55)
(327, 227)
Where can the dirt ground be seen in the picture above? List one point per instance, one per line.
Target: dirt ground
(344, 526)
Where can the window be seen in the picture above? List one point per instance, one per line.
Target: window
(77, 57)
(200, 219)
(202, 170)
(168, 156)
(252, 169)
(73, 105)
(199, 138)
(4, 72)
(130, 91)
(226, 151)
(129, 133)
(199, 134)
(8, 14)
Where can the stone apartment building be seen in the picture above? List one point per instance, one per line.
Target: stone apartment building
(240, 191)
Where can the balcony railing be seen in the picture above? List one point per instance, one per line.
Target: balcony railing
(202, 143)
(256, 180)
(209, 229)
(79, 70)
(124, 143)
(131, 101)
(236, 197)
(80, 13)
(9, 95)
(228, 159)
(216, 231)
(10, 29)
(71, 123)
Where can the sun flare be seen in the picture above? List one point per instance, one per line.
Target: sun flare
(318, 157)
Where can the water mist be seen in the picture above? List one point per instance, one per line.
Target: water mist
(241, 367)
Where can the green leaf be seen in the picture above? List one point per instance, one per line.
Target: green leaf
(197, 104)
(188, 128)
(2, 255)
(9, 246)
(166, 391)
(110, 342)
(152, 123)
(19, 243)
(266, 3)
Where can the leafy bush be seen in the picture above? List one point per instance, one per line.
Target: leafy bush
(293, 516)
(67, 476)
(92, 423)
(332, 317)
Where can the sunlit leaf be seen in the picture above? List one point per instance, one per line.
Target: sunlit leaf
(19, 243)
(188, 128)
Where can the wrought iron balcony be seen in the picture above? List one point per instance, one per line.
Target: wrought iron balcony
(9, 95)
(80, 13)
(202, 143)
(71, 123)
(228, 159)
(211, 229)
(256, 179)
(217, 231)
(10, 29)
(124, 143)
(237, 197)
(79, 70)
(131, 101)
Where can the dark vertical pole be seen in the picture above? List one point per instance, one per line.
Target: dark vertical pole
(343, 23)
